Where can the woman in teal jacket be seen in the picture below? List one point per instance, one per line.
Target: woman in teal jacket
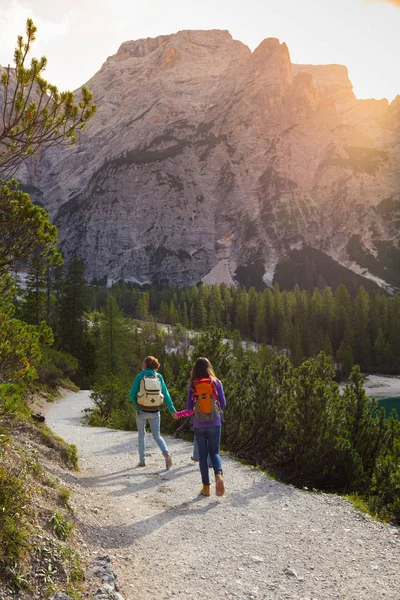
(143, 414)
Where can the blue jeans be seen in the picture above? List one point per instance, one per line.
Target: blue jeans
(154, 419)
(208, 439)
(196, 452)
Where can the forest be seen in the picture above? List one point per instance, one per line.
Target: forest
(363, 329)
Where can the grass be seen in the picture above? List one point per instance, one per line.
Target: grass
(60, 568)
(14, 516)
(17, 576)
(67, 452)
(60, 526)
(63, 498)
(360, 504)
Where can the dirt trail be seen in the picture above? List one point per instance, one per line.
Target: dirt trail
(263, 540)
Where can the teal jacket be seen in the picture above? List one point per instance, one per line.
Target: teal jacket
(136, 385)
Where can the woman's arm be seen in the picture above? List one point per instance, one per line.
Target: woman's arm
(189, 399)
(221, 395)
(167, 397)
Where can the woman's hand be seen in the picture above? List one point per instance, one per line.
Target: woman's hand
(174, 415)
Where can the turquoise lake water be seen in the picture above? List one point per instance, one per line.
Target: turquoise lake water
(389, 404)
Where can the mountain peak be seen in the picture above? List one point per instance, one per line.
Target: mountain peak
(145, 46)
(197, 139)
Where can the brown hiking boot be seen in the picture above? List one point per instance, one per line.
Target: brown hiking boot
(205, 490)
(168, 462)
(142, 463)
(219, 485)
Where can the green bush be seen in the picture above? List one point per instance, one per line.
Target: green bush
(12, 400)
(113, 407)
(385, 490)
(55, 366)
(72, 456)
(123, 418)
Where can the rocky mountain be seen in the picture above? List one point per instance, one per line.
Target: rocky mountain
(209, 162)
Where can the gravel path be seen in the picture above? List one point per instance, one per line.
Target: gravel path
(263, 540)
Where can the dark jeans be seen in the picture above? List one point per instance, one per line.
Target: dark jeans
(208, 439)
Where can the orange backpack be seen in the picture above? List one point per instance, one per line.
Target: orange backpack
(205, 400)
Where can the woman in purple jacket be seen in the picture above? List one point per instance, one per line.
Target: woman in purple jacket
(207, 432)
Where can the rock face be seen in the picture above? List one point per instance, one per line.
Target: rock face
(205, 160)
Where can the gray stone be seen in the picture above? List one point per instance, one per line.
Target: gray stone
(289, 572)
(102, 569)
(107, 592)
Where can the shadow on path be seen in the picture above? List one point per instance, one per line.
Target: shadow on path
(123, 480)
(121, 536)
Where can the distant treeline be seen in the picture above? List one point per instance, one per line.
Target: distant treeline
(363, 330)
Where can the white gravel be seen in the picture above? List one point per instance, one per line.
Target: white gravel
(381, 386)
(263, 540)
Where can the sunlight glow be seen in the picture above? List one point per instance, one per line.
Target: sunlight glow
(77, 36)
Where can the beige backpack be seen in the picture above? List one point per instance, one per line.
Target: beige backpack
(149, 395)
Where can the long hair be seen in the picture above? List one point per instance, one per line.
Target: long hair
(202, 369)
(151, 363)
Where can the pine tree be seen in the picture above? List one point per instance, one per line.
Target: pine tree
(226, 298)
(394, 331)
(367, 435)
(379, 351)
(73, 307)
(342, 317)
(173, 314)
(362, 343)
(200, 316)
(276, 314)
(112, 352)
(260, 325)
(58, 284)
(142, 309)
(317, 322)
(296, 345)
(242, 313)
(184, 319)
(313, 443)
(34, 307)
(164, 312)
(344, 356)
(253, 297)
(211, 346)
(379, 315)
(35, 113)
(327, 347)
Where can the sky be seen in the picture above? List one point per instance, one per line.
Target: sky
(77, 36)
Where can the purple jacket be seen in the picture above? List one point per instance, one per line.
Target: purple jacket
(221, 402)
